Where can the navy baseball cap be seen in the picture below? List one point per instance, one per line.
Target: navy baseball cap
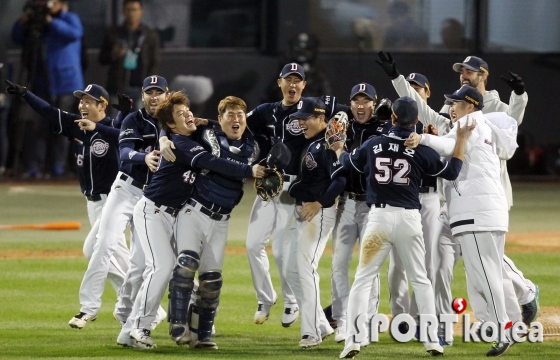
(292, 68)
(472, 63)
(155, 81)
(95, 91)
(308, 107)
(467, 94)
(364, 89)
(405, 110)
(419, 80)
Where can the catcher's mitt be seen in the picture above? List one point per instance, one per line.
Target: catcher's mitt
(383, 110)
(270, 185)
(336, 129)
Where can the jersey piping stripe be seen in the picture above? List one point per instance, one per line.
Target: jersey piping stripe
(126, 139)
(90, 163)
(334, 173)
(461, 223)
(196, 156)
(354, 166)
(60, 121)
(445, 167)
(486, 276)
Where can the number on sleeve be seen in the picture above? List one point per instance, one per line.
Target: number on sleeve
(80, 160)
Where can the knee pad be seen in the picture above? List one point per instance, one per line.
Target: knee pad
(209, 290)
(187, 264)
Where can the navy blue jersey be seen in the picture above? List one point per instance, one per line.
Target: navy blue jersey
(357, 134)
(138, 137)
(270, 123)
(318, 168)
(216, 191)
(95, 152)
(394, 172)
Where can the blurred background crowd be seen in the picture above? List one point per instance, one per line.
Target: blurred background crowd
(216, 48)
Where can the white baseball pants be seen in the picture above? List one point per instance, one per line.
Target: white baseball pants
(303, 248)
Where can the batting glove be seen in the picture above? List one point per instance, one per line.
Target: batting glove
(515, 83)
(388, 64)
(125, 103)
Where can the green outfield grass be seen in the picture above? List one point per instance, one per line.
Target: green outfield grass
(39, 295)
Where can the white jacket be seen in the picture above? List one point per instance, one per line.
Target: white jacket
(475, 200)
(515, 109)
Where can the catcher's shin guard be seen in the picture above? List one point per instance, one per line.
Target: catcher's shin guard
(180, 289)
(206, 304)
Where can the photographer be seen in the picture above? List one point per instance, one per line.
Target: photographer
(53, 73)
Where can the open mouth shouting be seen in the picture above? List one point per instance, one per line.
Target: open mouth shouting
(361, 116)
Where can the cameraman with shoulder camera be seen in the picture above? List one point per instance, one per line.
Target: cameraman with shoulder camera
(53, 73)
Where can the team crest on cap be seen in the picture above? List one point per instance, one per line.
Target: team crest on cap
(310, 162)
(293, 127)
(467, 59)
(99, 147)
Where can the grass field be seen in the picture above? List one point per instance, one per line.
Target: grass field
(41, 271)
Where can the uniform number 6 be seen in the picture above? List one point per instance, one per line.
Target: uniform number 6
(384, 173)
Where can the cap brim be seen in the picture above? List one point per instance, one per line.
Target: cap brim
(457, 67)
(291, 73)
(452, 98)
(301, 115)
(415, 82)
(362, 93)
(153, 87)
(80, 93)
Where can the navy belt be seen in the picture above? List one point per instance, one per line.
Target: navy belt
(134, 183)
(211, 214)
(168, 209)
(94, 198)
(357, 197)
(426, 189)
(383, 206)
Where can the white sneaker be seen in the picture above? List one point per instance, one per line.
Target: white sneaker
(290, 316)
(124, 339)
(143, 338)
(350, 351)
(309, 341)
(261, 315)
(328, 332)
(160, 316)
(434, 349)
(340, 333)
(80, 320)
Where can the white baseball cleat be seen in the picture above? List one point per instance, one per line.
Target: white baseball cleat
(261, 315)
(124, 339)
(143, 339)
(327, 332)
(290, 316)
(80, 320)
(340, 333)
(350, 351)
(434, 349)
(160, 316)
(308, 341)
(180, 334)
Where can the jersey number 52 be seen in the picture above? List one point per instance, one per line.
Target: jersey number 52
(388, 170)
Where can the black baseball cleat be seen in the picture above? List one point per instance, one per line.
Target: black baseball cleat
(530, 311)
(498, 348)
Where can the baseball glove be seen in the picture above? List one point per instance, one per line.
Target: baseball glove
(336, 129)
(270, 185)
(383, 110)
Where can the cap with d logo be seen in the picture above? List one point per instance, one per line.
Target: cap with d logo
(155, 81)
(364, 89)
(472, 63)
(95, 91)
(419, 80)
(308, 107)
(292, 68)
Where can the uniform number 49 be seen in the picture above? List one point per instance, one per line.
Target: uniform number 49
(388, 170)
(189, 177)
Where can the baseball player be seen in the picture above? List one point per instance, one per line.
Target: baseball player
(319, 181)
(477, 206)
(474, 72)
(156, 212)
(95, 153)
(352, 208)
(394, 174)
(139, 159)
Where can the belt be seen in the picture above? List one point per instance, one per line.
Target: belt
(132, 182)
(168, 209)
(426, 189)
(94, 197)
(383, 206)
(357, 197)
(289, 178)
(211, 214)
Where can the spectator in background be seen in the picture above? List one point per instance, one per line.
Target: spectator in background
(452, 35)
(132, 52)
(404, 33)
(55, 73)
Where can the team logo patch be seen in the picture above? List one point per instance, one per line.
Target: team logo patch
(293, 127)
(99, 147)
(310, 162)
(126, 132)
